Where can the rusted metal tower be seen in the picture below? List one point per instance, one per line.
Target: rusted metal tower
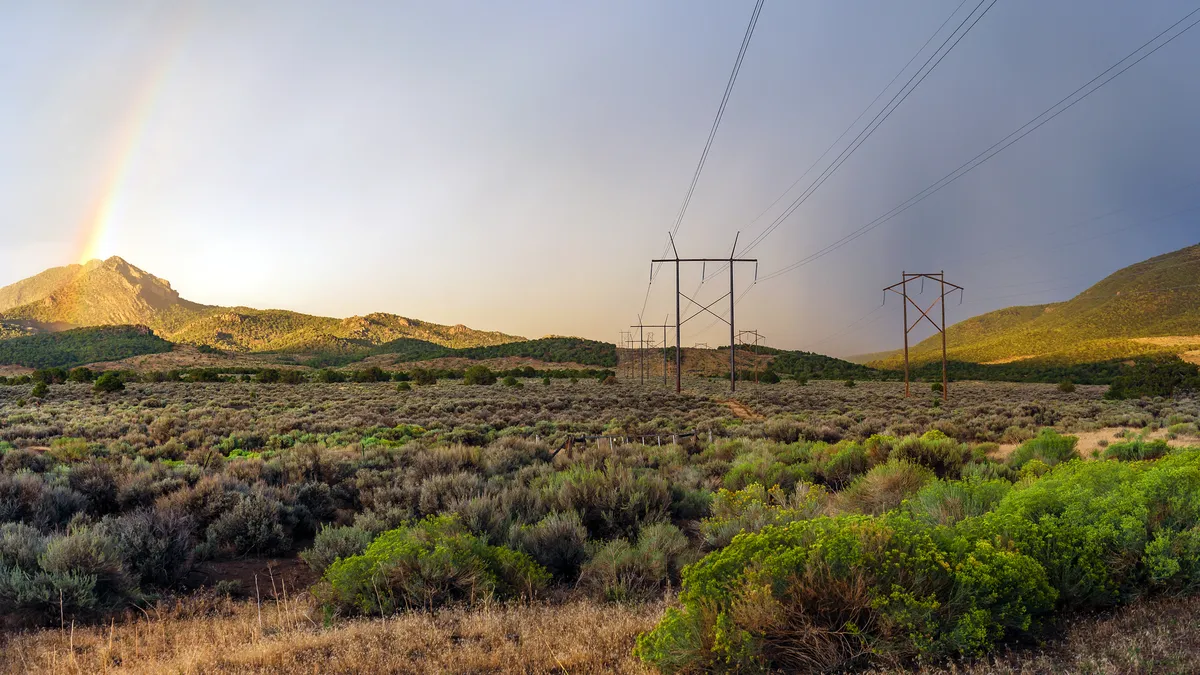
(705, 308)
(902, 291)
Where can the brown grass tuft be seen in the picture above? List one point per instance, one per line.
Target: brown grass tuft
(222, 636)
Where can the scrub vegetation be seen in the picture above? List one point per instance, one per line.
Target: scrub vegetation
(835, 527)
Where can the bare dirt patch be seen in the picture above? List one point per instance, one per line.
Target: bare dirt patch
(1010, 359)
(741, 411)
(1090, 441)
(1169, 340)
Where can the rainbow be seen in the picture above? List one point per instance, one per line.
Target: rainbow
(96, 233)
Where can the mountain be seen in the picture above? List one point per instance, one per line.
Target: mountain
(1150, 308)
(113, 292)
(41, 285)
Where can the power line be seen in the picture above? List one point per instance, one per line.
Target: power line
(1004, 143)
(903, 69)
(712, 133)
(897, 100)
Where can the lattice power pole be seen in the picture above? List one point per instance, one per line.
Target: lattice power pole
(680, 321)
(940, 278)
(626, 344)
(640, 326)
(757, 337)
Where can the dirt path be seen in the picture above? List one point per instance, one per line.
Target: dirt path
(741, 411)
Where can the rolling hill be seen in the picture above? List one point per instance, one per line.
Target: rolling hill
(1148, 309)
(113, 293)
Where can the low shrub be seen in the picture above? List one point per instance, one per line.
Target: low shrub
(623, 572)
(1049, 447)
(944, 502)
(884, 488)
(933, 450)
(822, 594)
(155, 545)
(1137, 449)
(252, 527)
(333, 543)
(557, 542)
(427, 564)
(755, 507)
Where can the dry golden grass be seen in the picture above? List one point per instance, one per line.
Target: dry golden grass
(223, 636)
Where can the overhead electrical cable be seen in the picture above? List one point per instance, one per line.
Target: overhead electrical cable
(712, 134)
(999, 146)
(900, 96)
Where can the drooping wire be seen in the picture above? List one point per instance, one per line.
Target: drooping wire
(999, 146)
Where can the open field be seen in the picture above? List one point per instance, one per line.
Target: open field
(494, 537)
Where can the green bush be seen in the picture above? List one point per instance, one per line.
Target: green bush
(480, 375)
(428, 564)
(769, 377)
(267, 376)
(944, 502)
(1137, 449)
(424, 377)
(755, 507)
(109, 382)
(40, 390)
(933, 450)
(884, 487)
(820, 594)
(1049, 447)
(613, 502)
(1066, 387)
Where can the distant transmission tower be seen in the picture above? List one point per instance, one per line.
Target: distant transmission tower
(679, 321)
(940, 277)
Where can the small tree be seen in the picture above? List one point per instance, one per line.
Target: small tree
(482, 375)
(80, 375)
(108, 382)
(267, 376)
(936, 387)
(1066, 387)
(769, 377)
(40, 389)
(292, 377)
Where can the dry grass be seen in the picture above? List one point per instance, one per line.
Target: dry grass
(1160, 635)
(222, 636)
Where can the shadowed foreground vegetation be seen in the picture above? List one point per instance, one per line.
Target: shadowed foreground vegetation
(836, 527)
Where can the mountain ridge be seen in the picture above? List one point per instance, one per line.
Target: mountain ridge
(114, 292)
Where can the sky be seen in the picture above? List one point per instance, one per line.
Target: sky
(515, 166)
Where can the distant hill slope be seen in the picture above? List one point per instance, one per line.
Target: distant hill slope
(113, 292)
(67, 349)
(1151, 308)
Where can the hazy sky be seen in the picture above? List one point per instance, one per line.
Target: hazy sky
(515, 165)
